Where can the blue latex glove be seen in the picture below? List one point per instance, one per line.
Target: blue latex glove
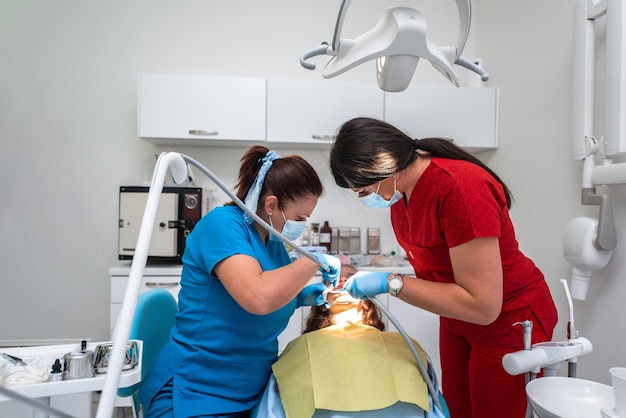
(312, 295)
(335, 267)
(367, 283)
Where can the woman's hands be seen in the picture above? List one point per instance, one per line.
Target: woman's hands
(333, 263)
(367, 283)
(312, 295)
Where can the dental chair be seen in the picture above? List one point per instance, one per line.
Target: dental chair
(153, 320)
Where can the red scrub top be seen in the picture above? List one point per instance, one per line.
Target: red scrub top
(453, 202)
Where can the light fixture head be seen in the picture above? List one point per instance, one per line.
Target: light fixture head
(397, 43)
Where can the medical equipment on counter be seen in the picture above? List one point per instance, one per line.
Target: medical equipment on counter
(180, 209)
(397, 43)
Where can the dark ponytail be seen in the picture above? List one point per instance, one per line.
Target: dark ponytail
(369, 150)
(444, 148)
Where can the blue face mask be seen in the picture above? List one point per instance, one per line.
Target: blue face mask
(292, 229)
(374, 200)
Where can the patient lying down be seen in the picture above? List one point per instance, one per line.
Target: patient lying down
(345, 365)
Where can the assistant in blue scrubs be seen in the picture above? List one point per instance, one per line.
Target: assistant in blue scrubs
(238, 290)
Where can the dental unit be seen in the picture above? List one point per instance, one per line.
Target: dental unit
(547, 356)
(397, 42)
(177, 164)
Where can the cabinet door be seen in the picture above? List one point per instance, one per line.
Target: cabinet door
(311, 111)
(191, 109)
(467, 115)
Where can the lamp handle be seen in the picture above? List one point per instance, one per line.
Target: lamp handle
(320, 50)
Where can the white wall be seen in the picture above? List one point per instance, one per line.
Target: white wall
(68, 82)
(527, 47)
(68, 87)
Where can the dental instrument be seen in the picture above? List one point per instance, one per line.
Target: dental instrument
(546, 356)
(527, 327)
(397, 42)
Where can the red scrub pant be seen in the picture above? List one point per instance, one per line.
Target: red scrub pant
(474, 383)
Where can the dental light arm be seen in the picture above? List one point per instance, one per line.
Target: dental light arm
(606, 238)
(177, 164)
(397, 42)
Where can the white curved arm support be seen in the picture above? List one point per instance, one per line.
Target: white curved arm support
(544, 355)
(339, 24)
(122, 328)
(465, 20)
(472, 66)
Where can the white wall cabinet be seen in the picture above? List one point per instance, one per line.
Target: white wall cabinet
(311, 111)
(195, 109)
(468, 115)
(179, 109)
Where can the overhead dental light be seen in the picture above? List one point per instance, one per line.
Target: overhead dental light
(397, 42)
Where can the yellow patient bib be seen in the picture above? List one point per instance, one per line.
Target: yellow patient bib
(349, 367)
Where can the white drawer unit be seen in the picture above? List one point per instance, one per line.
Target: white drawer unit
(167, 277)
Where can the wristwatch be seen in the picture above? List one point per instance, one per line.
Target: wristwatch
(394, 284)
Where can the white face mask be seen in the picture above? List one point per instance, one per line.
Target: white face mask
(374, 200)
(292, 229)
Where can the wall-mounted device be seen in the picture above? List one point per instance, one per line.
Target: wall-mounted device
(180, 208)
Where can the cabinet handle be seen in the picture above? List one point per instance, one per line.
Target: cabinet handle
(324, 137)
(161, 284)
(202, 132)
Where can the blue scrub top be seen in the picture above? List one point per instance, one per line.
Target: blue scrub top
(219, 355)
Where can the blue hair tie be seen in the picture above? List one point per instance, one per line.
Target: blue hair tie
(252, 199)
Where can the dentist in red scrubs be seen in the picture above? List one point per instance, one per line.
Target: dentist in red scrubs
(450, 213)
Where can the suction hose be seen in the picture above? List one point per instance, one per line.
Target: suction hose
(420, 365)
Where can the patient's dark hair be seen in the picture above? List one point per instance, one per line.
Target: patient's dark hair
(320, 317)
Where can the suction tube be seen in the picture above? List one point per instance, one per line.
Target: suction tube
(420, 365)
